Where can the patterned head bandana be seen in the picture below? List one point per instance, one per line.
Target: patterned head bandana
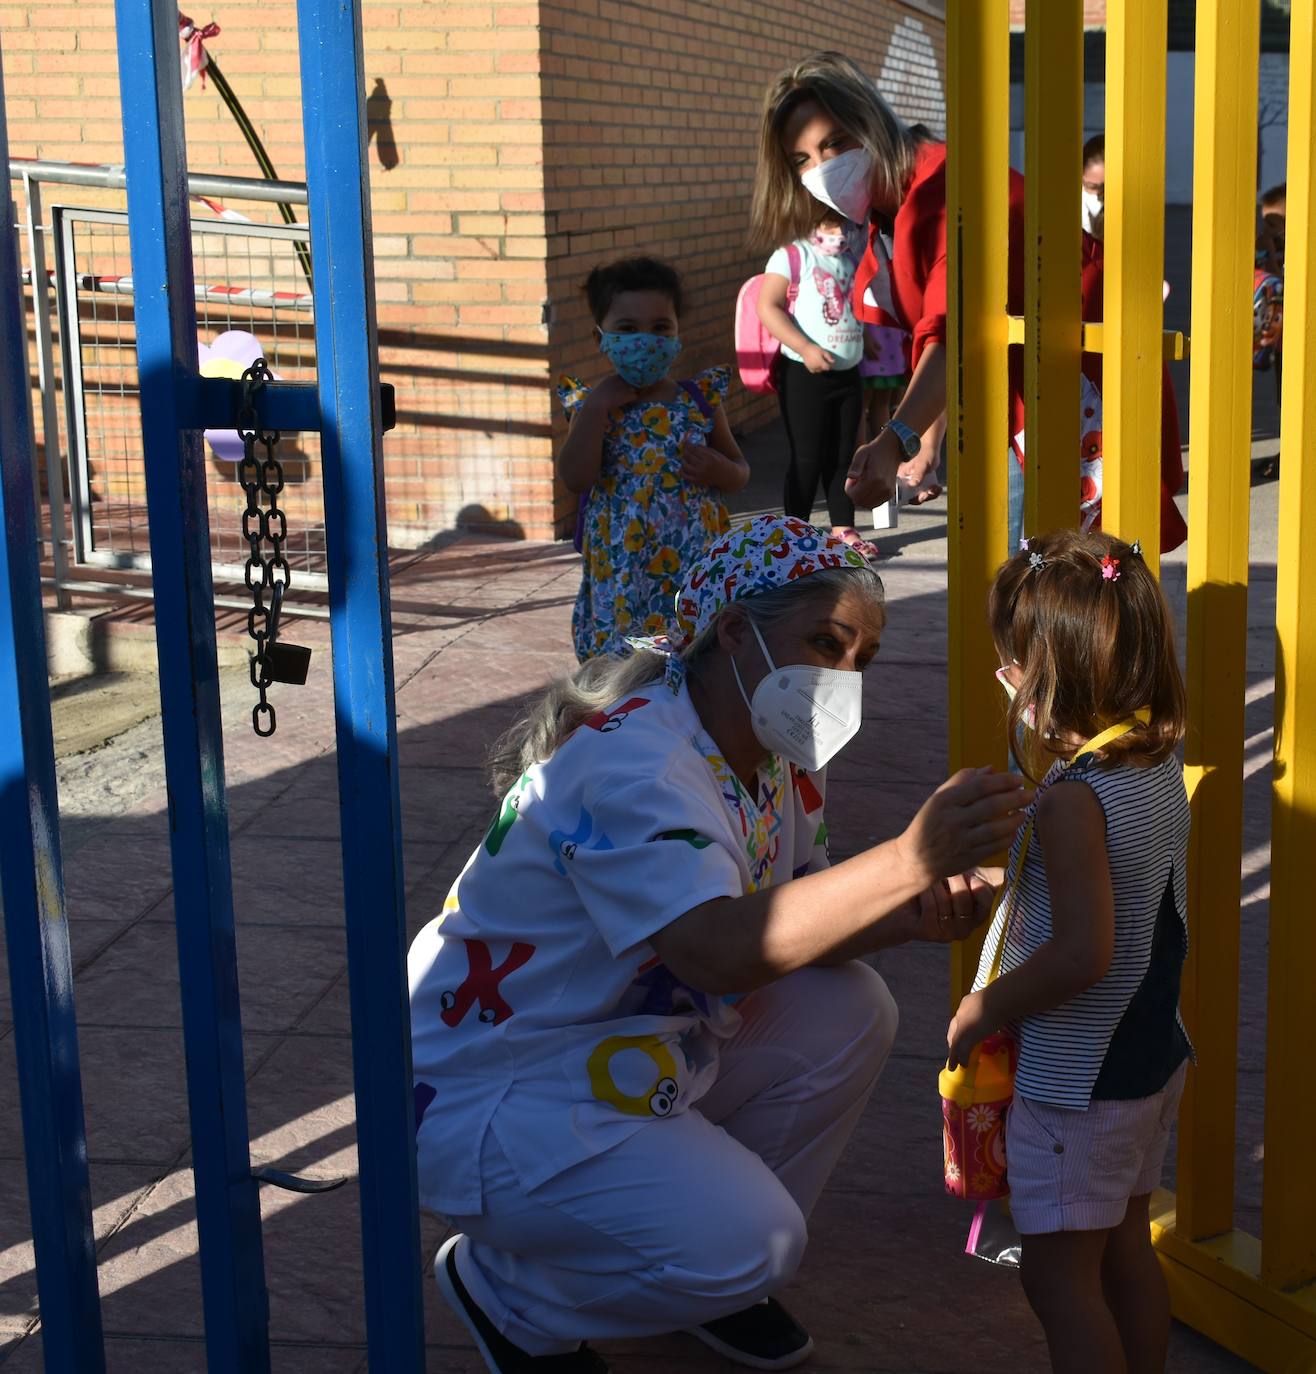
(757, 556)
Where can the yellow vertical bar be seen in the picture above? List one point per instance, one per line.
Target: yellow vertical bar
(1135, 260)
(977, 241)
(1288, 1204)
(1053, 150)
(1224, 174)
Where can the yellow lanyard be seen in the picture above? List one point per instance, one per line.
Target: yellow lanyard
(1097, 742)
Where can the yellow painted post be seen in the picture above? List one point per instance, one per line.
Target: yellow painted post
(977, 240)
(1288, 1205)
(1053, 150)
(1225, 160)
(1135, 260)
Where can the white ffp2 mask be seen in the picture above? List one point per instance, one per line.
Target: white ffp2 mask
(844, 183)
(805, 714)
(1094, 213)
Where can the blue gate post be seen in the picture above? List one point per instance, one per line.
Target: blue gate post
(228, 1209)
(32, 882)
(338, 191)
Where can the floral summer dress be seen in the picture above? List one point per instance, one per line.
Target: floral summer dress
(644, 523)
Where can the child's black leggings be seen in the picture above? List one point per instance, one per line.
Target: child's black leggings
(821, 411)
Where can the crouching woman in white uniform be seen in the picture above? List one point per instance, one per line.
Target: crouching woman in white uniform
(641, 1039)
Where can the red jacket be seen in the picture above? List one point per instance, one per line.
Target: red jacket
(918, 292)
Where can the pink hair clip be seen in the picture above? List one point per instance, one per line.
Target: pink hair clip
(1023, 545)
(1110, 569)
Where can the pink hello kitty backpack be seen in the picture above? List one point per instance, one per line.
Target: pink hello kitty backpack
(757, 351)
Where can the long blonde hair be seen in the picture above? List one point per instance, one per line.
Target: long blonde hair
(782, 210)
(598, 683)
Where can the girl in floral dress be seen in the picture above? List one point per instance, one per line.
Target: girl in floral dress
(651, 457)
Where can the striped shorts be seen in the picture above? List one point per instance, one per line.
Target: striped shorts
(1076, 1171)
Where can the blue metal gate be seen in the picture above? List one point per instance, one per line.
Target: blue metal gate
(177, 404)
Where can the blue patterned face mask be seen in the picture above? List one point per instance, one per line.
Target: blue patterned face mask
(640, 359)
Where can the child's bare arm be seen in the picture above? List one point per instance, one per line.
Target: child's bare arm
(581, 455)
(780, 323)
(1072, 829)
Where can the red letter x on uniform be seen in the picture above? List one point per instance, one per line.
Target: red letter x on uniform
(482, 984)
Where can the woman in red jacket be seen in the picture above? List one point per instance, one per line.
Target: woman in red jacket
(827, 135)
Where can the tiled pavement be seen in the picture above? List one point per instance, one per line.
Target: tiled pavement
(480, 625)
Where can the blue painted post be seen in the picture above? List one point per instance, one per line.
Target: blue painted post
(32, 881)
(228, 1209)
(338, 188)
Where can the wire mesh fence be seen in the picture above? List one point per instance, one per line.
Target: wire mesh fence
(252, 300)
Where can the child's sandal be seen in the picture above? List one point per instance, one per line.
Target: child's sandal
(847, 534)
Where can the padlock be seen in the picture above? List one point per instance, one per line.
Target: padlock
(287, 663)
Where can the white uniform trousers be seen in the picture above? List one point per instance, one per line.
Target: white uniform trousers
(698, 1215)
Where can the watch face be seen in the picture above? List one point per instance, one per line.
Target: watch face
(909, 441)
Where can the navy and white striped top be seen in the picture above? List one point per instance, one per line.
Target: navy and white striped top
(1062, 1050)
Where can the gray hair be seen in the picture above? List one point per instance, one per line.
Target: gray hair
(538, 734)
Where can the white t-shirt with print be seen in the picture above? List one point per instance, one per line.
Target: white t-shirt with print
(539, 1010)
(823, 308)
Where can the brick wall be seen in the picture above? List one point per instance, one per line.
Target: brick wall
(513, 146)
(457, 198)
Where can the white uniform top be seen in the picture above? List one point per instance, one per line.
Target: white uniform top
(538, 1009)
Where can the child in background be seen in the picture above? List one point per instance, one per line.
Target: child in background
(883, 374)
(1094, 931)
(1268, 293)
(822, 345)
(653, 455)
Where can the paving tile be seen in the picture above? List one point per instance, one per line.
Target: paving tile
(331, 1015)
(299, 1104)
(133, 1091)
(126, 1355)
(88, 937)
(150, 1274)
(117, 877)
(115, 1189)
(282, 972)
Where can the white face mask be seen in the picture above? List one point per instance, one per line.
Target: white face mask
(805, 714)
(1030, 711)
(843, 183)
(1094, 213)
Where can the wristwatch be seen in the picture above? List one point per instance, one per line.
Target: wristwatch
(907, 438)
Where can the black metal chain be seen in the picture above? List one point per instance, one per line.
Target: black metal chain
(262, 525)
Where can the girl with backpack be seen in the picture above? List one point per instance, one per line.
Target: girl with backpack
(650, 458)
(804, 303)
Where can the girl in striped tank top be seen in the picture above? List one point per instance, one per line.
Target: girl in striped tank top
(1094, 937)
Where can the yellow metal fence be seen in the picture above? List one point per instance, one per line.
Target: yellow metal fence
(1255, 1295)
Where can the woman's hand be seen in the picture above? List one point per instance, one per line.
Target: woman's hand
(914, 471)
(955, 907)
(817, 359)
(966, 821)
(970, 1025)
(871, 480)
